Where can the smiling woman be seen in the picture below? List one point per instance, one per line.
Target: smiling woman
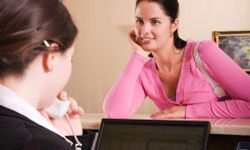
(102, 40)
(171, 77)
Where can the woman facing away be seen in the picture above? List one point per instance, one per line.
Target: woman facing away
(36, 47)
(172, 78)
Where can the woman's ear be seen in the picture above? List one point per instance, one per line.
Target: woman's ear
(175, 25)
(49, 58)
(48, 62)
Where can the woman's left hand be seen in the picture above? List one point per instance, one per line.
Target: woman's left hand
(172, 112)
(74, 113)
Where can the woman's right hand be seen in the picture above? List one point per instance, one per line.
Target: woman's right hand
(75, 112)
(135, 46)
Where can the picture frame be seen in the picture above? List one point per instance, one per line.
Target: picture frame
(236, 44)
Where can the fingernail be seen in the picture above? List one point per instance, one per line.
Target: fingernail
(63, 95)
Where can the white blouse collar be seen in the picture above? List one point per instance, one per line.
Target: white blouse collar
(12, 101)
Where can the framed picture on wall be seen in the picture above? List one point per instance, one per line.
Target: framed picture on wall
(236, 44)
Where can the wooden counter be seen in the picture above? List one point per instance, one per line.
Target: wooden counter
(238, 127)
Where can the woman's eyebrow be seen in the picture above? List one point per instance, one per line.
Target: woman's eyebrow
(153, 18)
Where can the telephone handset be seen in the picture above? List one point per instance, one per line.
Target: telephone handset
(59, 108)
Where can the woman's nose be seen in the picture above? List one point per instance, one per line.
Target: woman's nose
(145, 29)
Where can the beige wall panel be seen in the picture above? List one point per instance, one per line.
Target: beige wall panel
(102, 49)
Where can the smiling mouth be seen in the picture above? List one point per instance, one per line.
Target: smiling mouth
(146, 40)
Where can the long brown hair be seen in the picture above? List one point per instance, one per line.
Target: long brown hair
(25, 24)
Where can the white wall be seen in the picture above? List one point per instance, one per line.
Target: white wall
(102, 46)
(200, 17)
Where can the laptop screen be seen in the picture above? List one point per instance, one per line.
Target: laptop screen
(126, 134)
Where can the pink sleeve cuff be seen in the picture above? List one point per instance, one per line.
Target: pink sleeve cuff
(199, 111)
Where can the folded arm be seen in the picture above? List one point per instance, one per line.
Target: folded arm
(232, 79)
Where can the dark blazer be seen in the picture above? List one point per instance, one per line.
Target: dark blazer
(18, 132)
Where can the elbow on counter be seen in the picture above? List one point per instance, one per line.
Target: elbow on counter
(116, 112)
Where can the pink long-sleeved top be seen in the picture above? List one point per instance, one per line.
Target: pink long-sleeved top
(140, 79)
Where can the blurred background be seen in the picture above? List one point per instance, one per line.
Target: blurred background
(102, 48)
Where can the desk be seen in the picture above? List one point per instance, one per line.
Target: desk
(218, 126)
(225, 133)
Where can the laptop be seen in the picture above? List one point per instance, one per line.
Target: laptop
(131, 134)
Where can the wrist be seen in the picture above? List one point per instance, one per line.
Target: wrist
(143, 53)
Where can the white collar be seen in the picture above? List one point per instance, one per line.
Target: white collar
(12, 101)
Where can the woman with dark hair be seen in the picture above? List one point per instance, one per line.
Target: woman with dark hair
(36, 47)
(185, 79)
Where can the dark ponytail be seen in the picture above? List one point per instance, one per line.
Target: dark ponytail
(178, 42)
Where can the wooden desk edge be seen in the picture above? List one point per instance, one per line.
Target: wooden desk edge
(93, 121)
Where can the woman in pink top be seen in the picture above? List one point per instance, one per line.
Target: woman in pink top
(172, 78)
